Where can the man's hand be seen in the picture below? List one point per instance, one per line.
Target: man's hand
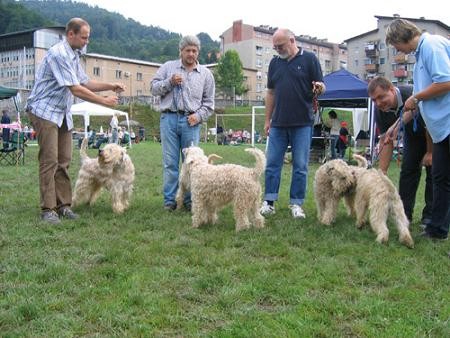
(391, 134)
(176, 79)
(427, 159)
(110, 101)
(118, 87)
(266, 128)
(193, 119)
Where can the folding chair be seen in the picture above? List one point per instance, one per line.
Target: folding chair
(14, 152)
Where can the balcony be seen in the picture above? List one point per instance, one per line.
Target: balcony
(401, 58)
(372, 53)
(400, 73)
(372, 68)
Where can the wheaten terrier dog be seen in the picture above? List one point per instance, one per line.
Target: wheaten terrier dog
(214, 186)
(184, 181)
(377, 196)
(333, 181)
(112, 170)
(365, 191)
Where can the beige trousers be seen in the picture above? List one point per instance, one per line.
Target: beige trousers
(55, 154)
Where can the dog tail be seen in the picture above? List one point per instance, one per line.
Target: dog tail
(398, 211)
(260, 160)
(362, 162)
(213, 157)
(83, 148)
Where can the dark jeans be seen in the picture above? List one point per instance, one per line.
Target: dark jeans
(441, 188)
(415, 147)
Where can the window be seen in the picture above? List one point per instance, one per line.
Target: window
(382, 61)
(118, 74)
(96, 71)
(258, 63)
(259, 75)
(259, 50)
(138, 76)
(356, 63)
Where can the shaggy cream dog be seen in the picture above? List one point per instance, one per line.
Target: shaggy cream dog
(184, 182)
(214, 186)
(333, 181)
(112, 170)
(377, 196)
(365, 192)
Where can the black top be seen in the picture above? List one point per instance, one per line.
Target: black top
(292, 84)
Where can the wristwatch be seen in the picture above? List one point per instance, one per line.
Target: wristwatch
(416, 100)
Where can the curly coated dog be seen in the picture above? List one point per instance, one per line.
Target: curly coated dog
(112, 170)
(214, 186)
(366, 192)
(333, 181)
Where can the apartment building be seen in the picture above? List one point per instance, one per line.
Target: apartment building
(369, 56)
(134, 74)
(255, 49)
(22, 52)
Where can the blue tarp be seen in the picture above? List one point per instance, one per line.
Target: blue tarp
(344, 89)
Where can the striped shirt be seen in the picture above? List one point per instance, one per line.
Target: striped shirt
(51, 98)
(195, 94)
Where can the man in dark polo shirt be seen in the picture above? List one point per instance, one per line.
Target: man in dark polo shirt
(417, 145)
(294, 79)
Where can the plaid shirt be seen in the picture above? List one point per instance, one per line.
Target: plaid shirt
(196, 94)
(51, 97)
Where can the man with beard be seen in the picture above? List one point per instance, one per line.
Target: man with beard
(294, 80)
(187, 92)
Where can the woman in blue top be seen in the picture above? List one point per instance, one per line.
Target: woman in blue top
(432, 99)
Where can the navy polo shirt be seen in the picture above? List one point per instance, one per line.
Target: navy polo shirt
(292, 84)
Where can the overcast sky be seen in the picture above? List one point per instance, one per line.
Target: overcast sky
(332, 19)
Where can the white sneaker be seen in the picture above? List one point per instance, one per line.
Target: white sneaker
(267, 209)
(297, 211)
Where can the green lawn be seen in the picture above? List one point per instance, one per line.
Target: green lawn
(147, 273)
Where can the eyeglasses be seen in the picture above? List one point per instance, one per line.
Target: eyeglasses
(280, 46)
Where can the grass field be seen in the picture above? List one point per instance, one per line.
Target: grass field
(147, 273)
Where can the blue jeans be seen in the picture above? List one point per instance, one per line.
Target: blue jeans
(334, 139)
(176, 134)
(299, 138)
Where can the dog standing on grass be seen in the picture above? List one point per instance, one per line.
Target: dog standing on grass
(366, 192)
(112, 170)
(214, 186)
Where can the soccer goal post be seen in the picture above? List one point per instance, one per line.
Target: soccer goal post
(253, 118)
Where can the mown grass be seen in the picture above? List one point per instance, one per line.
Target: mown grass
(148, 273)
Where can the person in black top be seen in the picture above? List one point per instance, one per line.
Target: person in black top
(294, 80)
(417, 145)
(342, 142)
(5, 131)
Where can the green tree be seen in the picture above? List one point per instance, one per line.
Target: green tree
(229, 74)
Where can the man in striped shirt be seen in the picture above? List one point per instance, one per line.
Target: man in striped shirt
(187, 99)
(59, 78)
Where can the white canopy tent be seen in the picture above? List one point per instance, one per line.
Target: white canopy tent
(88, 109)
